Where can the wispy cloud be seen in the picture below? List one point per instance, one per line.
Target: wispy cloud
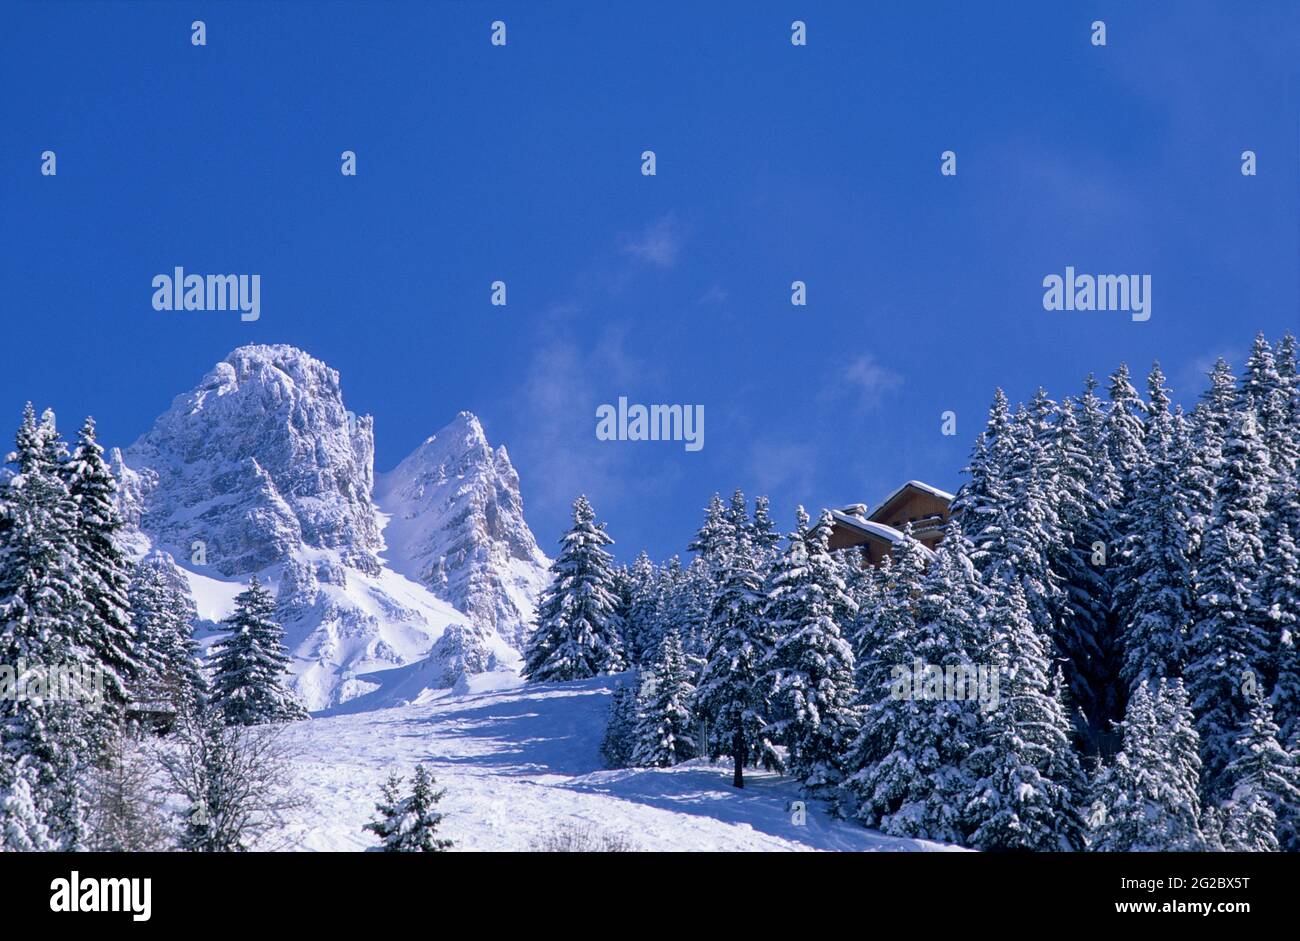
(716, 294)
(659, 244)
(865, 382)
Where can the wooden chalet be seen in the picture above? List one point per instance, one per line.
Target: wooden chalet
(927, 508)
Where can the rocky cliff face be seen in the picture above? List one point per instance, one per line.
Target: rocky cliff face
(456, 525)
(258, 461)
(261, 469)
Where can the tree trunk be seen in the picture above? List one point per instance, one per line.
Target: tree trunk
(738, 750)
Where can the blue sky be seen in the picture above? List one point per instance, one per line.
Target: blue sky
(522, 163)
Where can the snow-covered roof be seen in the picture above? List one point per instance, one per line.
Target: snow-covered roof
(871, 527)
(915, 485)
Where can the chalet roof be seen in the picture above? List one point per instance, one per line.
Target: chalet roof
(872, 528)
(918, 485)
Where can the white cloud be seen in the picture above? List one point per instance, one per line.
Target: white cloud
(659, 244)
(866, 382)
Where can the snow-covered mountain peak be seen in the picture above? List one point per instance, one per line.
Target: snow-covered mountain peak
(259, 459)
(260, 468)
(456, 524)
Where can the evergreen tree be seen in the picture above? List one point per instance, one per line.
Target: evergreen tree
(640, 637)
(1091, 644)
(1156, 600)
(43, 617)
(1214, 413)
(22, 825)
(1251, 824)
(710, 543)
(1262, 769)
(763, 537)
(619, 740)
(1148, 794)
(1228, 645)
(737, 519)
(1124, 434)
(687, 613)
(1264, 388)
(669, 614)
(248, 664)
(163, 619)
(1085, 485)
(1026, 776)
(105, 569)
(875, 786)
(810, 667)
(664, 731)
(409, 824)
(921, 787)
(577, 633)
(1006, 512)
(733, 694)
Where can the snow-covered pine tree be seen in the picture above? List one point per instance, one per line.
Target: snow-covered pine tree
(106, 573)
(622, 591)
(1007, 512)
(810, 667)
(763, 536)
(1145, 800)
(710, 543)
(619, 740)
(1083, 490)
(733, 694)
(640, 638)
(667, 615)
(1283, 600)
(1269, 385)
(737, 517)
(1287, 368)
(981, 501)
(1091, 491)
(688, 612)
(22, 823)
(865, 584)
(387, 825)
(1036, 472)
(1123, 432)
(577, 632)
(665, 730)
(43, 618)
(163, 618)
(409, 824)
(875, 787)
(1025, 776)
(1263, 769)
(923, 778)
(1263, 386)
(249, 663)
(1155, 598)
(1251, 825)
(1228, 650)
(1180, 747)
(1212, 829)
(666, 727)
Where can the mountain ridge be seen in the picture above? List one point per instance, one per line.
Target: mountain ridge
(261, 469)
